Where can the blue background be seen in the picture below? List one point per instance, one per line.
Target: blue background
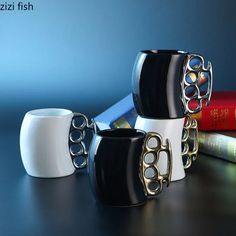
(79, 54)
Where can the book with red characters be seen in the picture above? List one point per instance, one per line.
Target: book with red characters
(220, 114)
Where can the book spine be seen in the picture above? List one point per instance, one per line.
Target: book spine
(216, 118)
(218, 145)
(117, 116)
(127, 120)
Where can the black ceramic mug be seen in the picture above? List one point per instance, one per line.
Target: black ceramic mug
(168, 84)
(123, 166)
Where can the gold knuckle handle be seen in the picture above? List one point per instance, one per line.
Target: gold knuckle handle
(81, 130)
(195, 75)
(190, 141)
(153, 181)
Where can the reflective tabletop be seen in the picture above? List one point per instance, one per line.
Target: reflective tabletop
(204, 203)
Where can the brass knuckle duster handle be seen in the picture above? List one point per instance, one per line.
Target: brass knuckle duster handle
(82, 129)
(196, 77)
(156, 178)
(190, 141)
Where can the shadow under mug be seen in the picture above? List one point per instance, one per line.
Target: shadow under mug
(122, 166)
(47, 141)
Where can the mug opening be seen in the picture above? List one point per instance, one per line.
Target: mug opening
(163, 52)
(50, 112)
(121, 133)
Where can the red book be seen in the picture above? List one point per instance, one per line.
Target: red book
(220, 114)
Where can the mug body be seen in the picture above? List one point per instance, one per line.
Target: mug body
(169, 129)
(114, 166)
(156, 83)
(44, 143)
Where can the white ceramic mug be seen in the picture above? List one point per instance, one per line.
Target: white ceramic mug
(46, 139)
(173, 129)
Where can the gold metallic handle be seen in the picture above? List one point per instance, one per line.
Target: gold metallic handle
(190, 141)
(156, 179)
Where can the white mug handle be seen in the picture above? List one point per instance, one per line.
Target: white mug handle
(82, 128)
(190, 136)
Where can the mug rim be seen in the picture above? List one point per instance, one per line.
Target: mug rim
(163, 52)
(121, 133)
(49, 112)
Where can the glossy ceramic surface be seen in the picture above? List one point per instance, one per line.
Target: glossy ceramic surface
(114, 162)
(171, 129)
(156, 83)
(44, 143)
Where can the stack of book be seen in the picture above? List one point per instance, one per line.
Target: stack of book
(217, 126)
(216, 123)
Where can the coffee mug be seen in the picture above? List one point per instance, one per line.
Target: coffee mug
(48, 140)
(122, 166)
(178, 132)
(168, 84)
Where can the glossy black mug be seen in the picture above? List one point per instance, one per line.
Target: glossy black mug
(166, 83)
(122, 166)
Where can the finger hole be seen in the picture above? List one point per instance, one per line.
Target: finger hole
(191, 78)
(76, 136)
(194, 104)
(195, 63)
(192, 139)
(150, 158)
(163, 163)
(79, 162)
(150, 173)
(186, 161)
(184, 134)
(203, 82)
(79, 122)
(203, 78)
(190, 91)
(185, 147)
(153, 142)
(76, 149)
(187, 122)
(154, 186)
